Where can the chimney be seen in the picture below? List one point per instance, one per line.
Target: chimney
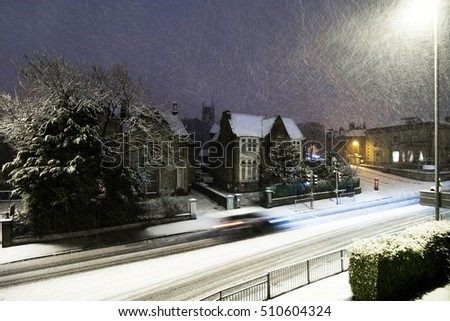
(226, 114)
(175, 108)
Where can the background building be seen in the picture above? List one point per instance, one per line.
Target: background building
(354, 151)
(406, 146)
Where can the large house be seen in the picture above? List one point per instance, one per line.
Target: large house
(162, 160)
(241, 145)
(182, 175)
(167, 167)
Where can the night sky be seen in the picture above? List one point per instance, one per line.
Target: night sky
(330, 61)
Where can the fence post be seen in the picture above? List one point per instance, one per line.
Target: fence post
(7, 232)
(342, 260)
(230, 202)
(269, 196)
(237, 200)
(193, 207)
(12, 210)
(268, 287)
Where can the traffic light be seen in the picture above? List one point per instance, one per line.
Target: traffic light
(312, 178)
(315, 179)
(338, 175)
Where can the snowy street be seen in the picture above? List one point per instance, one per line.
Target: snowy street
(194, 274)
(191, 275)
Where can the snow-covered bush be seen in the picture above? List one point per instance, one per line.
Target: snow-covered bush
(397, 267)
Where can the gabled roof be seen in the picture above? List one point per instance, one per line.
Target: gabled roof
(292, 129)
(244, 125)
(175, 123)
(214, 129)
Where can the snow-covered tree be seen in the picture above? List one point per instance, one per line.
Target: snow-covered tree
(60, 123)
(284, 164)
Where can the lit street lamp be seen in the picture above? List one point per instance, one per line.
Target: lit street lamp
(424, 11)
(436, 114)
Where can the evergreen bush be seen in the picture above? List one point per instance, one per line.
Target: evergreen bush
(323, 186)
(349, 182)
(286, 190)
(398, 267)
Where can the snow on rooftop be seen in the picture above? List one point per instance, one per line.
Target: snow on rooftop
(175, 123)
(214, 129)
(247, 125)
(292, 129)
(244, 125)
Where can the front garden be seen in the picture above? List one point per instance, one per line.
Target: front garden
(327, 177)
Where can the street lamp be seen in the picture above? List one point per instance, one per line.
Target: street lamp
(436, 115)
(425, 11)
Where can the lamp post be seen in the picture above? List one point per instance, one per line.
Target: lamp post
(424, 11)
(436, 115)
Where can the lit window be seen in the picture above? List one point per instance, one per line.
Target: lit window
(421, 156)
(395, 156)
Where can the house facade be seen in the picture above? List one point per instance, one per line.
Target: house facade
(175, 175)
(354, 150)
(181, 176)
(241, 146)
(406, 146)
(162, 166)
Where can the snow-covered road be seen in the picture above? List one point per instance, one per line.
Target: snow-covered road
(193, 274)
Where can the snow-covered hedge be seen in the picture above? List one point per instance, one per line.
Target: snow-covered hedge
(397, 267)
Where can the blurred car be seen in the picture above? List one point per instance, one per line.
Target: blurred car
(253, 223)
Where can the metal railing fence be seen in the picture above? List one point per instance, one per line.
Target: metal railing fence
(284, 279)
